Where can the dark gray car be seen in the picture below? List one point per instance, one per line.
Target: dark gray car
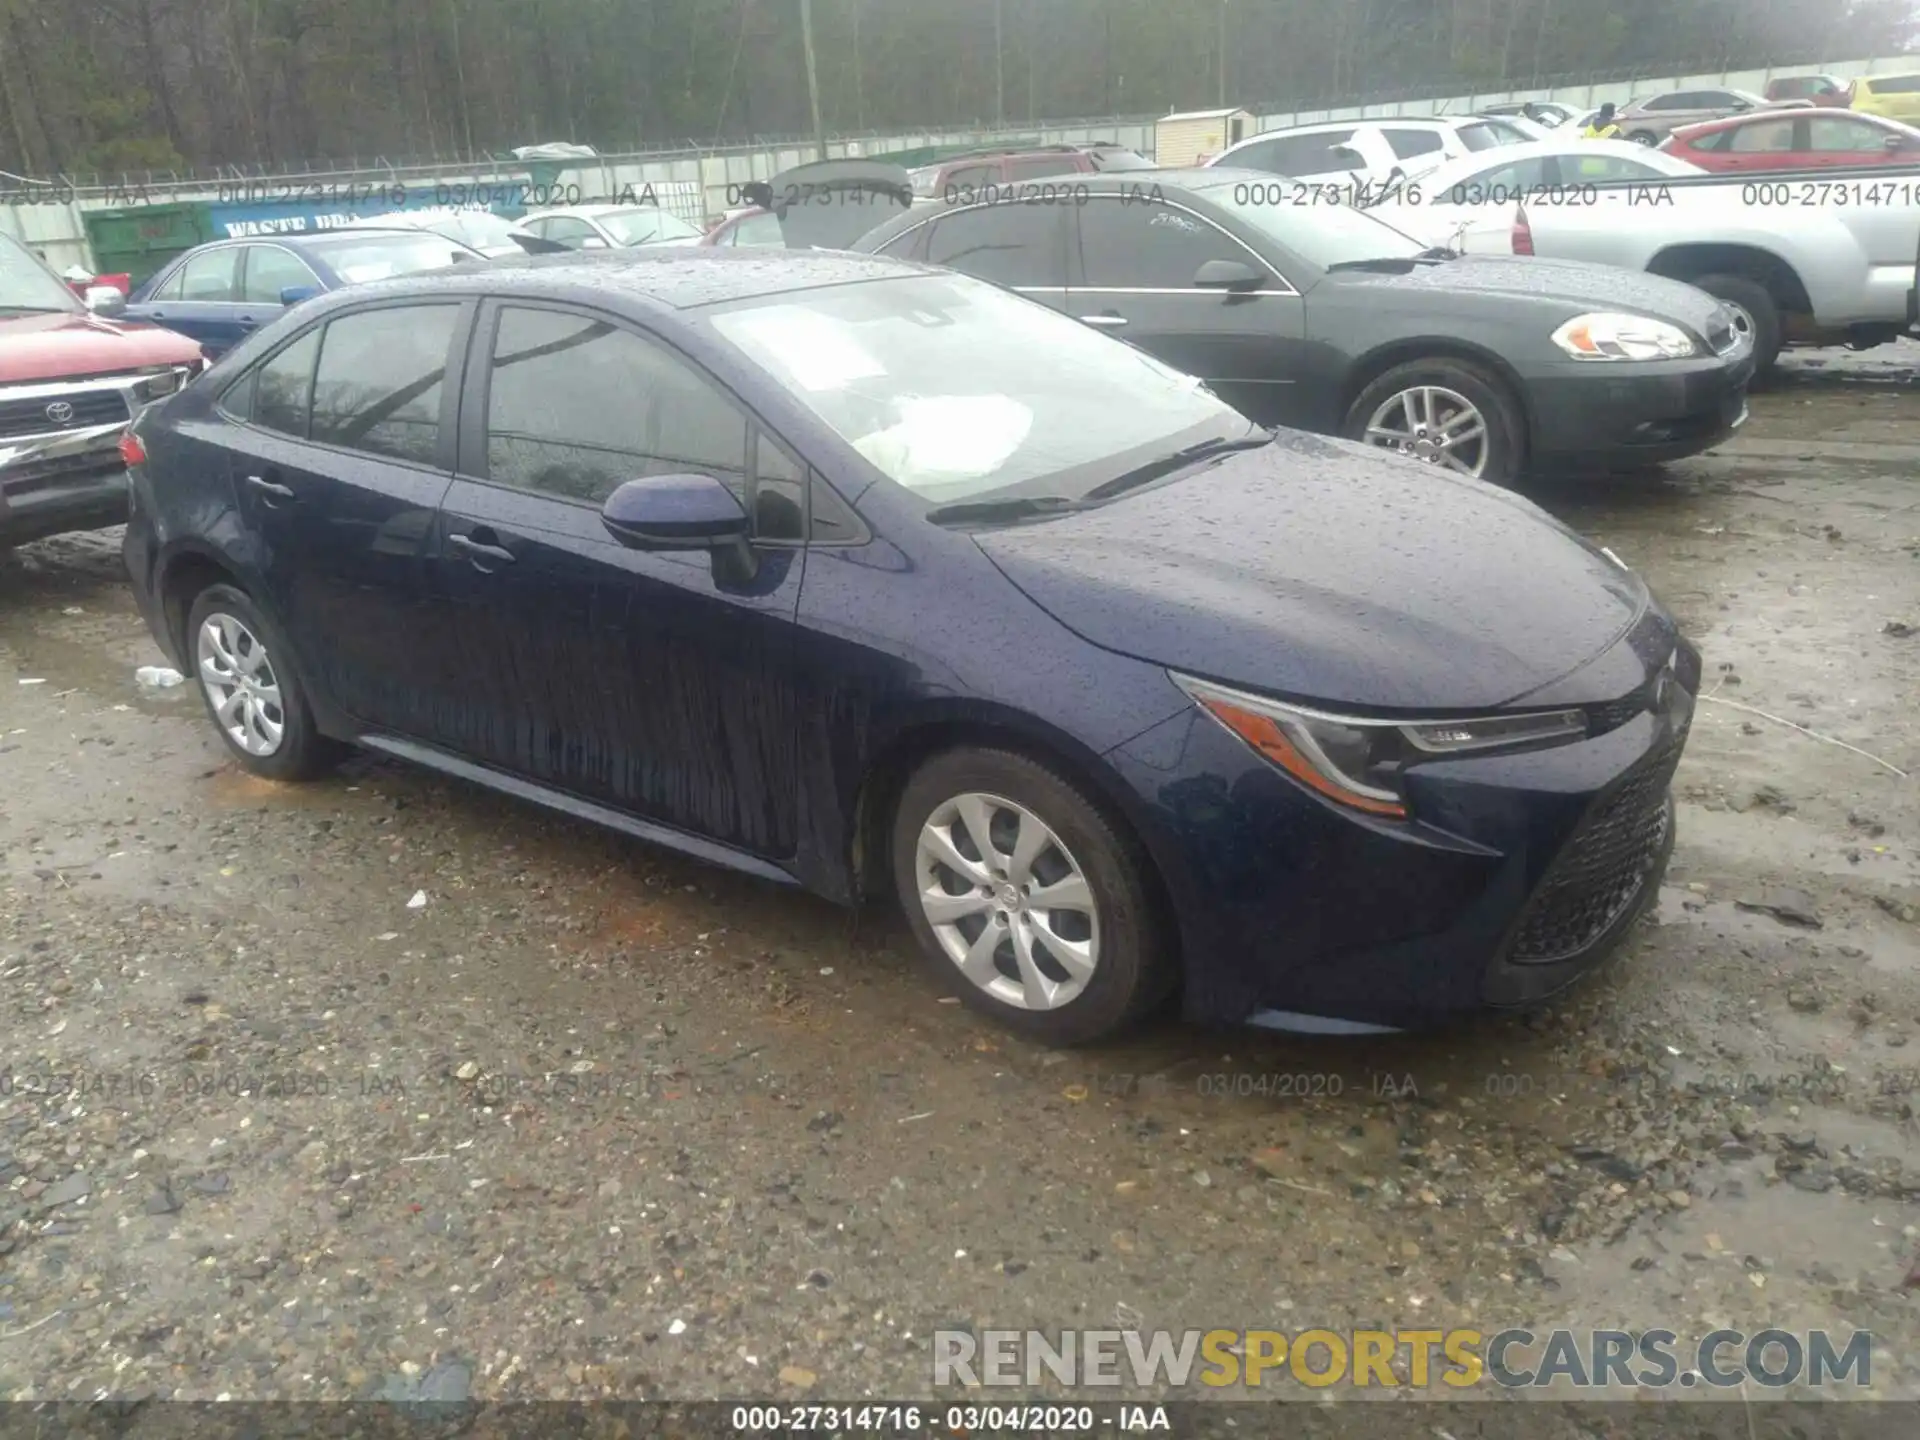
(1320, 316)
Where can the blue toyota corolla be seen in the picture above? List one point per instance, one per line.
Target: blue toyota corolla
(861, 576)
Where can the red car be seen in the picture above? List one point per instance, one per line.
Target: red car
(1796, 140)
(71, 377)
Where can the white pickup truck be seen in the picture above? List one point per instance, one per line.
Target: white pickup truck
(1804, 258)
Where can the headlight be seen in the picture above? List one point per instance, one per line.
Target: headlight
(1607, 336)
(1358, 762)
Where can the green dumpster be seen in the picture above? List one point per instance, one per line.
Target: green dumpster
(140, 239)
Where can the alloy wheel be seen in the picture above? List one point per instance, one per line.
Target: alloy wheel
(1435, 424)
(238, 677)
(1007, 902)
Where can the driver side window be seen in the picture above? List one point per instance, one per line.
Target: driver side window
(577, 406)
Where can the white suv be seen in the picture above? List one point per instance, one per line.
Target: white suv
(1369, 151)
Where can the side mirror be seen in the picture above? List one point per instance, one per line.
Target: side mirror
(1893, 142)
(461, 257)
(674, 512)
(1228, 275)
(108, 300)
(1345, 153)
(593, 242)
(294, 294)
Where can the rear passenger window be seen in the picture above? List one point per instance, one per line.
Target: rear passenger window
(283, 394)
(379, 382)
(1408, 143)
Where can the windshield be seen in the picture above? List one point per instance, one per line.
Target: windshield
(646, 226)
(1121, 160)
(1323, 235)
(356, 258)
(957, 389)
(26, 284)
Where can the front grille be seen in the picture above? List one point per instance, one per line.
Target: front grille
(1600, 870)
(28, 416)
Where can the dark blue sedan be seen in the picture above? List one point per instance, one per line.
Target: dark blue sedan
(221, 293)
(866, 577)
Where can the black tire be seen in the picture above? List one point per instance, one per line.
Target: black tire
(1133, 967)
(303, 752)
(1752, 297)
(1643, 137)
(1506, 425)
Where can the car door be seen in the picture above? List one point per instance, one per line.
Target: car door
(1019, 245)
(201, 300)
(343, 455)
(1131, 272)
(659, 683)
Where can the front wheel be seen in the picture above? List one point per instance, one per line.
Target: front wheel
(1644, 137)
(1445, 411)
(1026, 898)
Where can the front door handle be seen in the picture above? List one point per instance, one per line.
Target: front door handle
(1110, 320)
(269, 487)
(480, 554)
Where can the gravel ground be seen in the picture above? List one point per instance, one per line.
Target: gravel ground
(591, 1120)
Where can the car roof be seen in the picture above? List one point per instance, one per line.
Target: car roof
(669, 278)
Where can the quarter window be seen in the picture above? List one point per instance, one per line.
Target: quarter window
(1009, 244)
(1407, 143)
(380, 380)
(1151, 246)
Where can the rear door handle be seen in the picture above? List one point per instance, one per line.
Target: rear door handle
(269, 487)
(1109, 320)
(477, 552)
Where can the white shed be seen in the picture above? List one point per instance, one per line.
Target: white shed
(1183, 138)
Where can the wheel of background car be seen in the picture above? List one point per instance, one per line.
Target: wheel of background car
(253, 696)
(1643, 137)
(1753, 307)
(1026, 899)
(1445, 411)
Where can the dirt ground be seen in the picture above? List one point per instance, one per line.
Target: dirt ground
(595, 1120)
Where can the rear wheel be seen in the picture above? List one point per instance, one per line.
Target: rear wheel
(1754, 311)
(1026, 898)
(253, 696)
(1445, 411)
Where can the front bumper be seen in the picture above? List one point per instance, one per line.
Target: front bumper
(1590, 415)
(76, 483)
(1519, 874)
(60, 465)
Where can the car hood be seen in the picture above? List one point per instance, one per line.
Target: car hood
(1575, 284)
(75, 346)
(1322, 570)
